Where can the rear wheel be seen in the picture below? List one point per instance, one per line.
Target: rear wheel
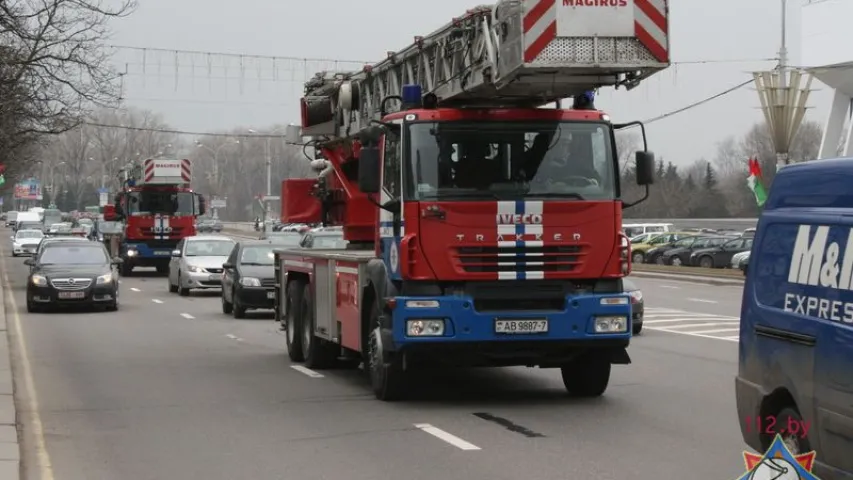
(796, 442)
(588, 376)
(637, 257)
(637, 328)
(675, 261)
(386, 371)
(295, 290)
(318, 352)
(706, 262)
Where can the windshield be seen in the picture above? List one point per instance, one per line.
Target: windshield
(171, 203)
(209, 248)
(510, 160)
(29, 234)
(73, 255)
(261, 255)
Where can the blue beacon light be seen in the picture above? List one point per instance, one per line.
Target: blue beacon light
(412, 96)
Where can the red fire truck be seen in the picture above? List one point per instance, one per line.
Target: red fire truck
(483, 226)
(158, 210)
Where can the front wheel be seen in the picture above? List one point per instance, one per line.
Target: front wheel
(184, 292)
(676, 261)
(637, 328)
(706, 262)
(387, 376)
(637, 257)
(588, 376)
(227, 307)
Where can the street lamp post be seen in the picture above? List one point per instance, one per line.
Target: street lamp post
(215, 152)
(268, 151)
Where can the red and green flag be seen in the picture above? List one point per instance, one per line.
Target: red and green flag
(756, 182)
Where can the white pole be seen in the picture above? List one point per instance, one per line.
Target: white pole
(783, 49)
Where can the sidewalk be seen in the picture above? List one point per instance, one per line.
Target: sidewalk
(9, 449)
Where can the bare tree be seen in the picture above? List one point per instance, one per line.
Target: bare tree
(53, 66)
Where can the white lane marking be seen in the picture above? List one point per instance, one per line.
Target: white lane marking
(156, 300)
(735, 338)
(702, 300)
(234, 337)
(307, 371)
(719, 330)
(187, 316)
(673, 287)
(694, 325)
(134, 289)
(446, 437)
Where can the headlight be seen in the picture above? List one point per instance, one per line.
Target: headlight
(195, 269)
(425, 328)
(38, 280)
(131, 253)
(250, 282)
(636, 296)
(107, 278)
(16, 245)
(611, 324)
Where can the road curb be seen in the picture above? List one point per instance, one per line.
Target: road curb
(718, 281)
(10, 448)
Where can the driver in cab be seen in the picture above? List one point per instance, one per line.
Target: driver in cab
(573, 166)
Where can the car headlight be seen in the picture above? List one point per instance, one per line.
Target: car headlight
(250, 282)
(195, 269)
(131, 253)
(611, 324)
(636, 296)
(38, 280)
(16, 245)
(106, 278)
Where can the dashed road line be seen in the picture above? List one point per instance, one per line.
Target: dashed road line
(156, 300)
(703, 325)
(702, 300)
(671, 287)
(134, 289)
(446, 437)
(187, 316)
(307, 371)
(234, 337)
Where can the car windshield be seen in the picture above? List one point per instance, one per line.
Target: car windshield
(29, 234)
(629, 285)
(331, 242)
(257, 255)
(73, 255)
(209, 248)
(659, 239)
(171, 203)
(505, 160)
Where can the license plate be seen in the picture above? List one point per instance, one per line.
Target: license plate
(271, 295)
(215, 278)
(71, 295)
(521, 326)
(162, 253)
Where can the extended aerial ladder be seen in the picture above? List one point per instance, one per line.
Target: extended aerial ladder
(516, 53)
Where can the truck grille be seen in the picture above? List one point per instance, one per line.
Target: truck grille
(71, 283)
(494, 259)
(172, 232)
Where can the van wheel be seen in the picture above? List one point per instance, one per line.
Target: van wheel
(386, 372)
(706, 262)
(318, 352)
(637, 257)
(587, 376)
(795, 441)
(295, 290)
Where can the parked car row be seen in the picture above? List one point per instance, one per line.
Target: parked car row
(697, 249)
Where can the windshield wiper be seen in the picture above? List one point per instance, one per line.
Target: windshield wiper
(477, 194)
(576, 196)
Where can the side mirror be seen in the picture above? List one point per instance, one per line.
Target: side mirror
(227, 265)
(645, 168)
(368, 170)
(29, 262)
(117, 261)
(176, 253)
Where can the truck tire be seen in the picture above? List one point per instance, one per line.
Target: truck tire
(587, 376)
(386, 374)
(319, 353)
(295, 290)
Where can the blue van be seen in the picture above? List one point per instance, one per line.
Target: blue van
(795, 373)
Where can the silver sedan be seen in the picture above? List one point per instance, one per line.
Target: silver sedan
(197, 263)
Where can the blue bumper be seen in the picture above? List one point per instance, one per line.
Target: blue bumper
(146, 252)
(575, 324)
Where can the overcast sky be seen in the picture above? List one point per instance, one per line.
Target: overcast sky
(213, 92)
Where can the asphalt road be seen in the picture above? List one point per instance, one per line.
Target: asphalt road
(170, 388)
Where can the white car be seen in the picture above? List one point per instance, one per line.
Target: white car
(197, 263)
(739, 258)
(25, 242)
